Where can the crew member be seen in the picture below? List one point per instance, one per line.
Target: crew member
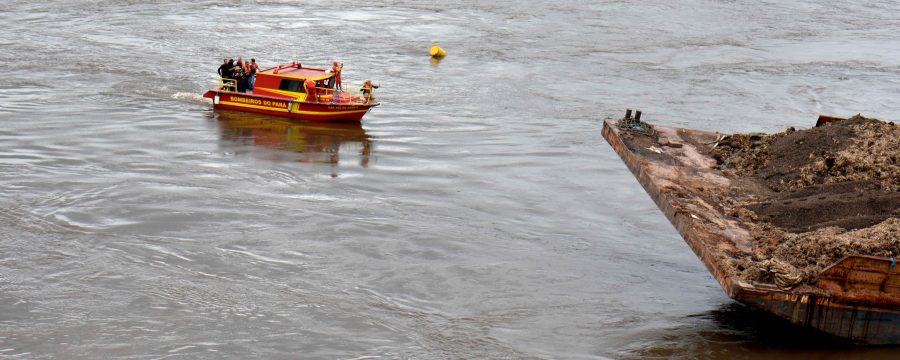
(224, 72)
(227, 75)
(254, 67)
(368, 90)
(310, 87)
(336, 68)
(238, 73)
(246, 70)
(224, 69)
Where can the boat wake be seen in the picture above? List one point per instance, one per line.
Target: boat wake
(190, 97)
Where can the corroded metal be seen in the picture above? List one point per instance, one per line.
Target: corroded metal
(857, 298)
(825, 119)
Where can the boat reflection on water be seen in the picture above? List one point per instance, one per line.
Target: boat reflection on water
(303, 141)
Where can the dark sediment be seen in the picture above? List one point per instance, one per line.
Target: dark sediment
(817, 194)
(851, 205)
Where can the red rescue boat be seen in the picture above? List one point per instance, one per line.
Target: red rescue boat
(282, 91)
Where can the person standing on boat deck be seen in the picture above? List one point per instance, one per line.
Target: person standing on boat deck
(310, 87)
(238, 73)
(368, 90)
(223, 69)
(336, 68)
(254, 67)
(227, 74)
(246, 69)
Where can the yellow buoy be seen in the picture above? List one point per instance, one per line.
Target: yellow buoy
(437, 52)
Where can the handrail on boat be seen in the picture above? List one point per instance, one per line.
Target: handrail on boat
(228, 84)
(356, 97)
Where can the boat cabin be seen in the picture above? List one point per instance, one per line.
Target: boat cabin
(286, 82)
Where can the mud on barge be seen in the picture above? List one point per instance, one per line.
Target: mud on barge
(801, 224)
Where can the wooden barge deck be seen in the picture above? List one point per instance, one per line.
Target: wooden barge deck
(856, 298)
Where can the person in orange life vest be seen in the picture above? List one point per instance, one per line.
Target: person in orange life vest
(246, 69)
(336, 68)
(254, 67)
(310, 87)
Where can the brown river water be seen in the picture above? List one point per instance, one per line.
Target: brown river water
(476, 214)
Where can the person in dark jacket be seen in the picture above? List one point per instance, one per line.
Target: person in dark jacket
(225, 72)
(238, 73)
(224, 69)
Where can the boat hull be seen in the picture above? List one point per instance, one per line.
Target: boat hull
(301, 110)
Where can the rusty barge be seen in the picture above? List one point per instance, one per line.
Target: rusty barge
(856, 298)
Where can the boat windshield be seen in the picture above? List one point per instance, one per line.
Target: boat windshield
(292, 85)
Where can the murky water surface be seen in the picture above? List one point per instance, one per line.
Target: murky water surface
(477, 213)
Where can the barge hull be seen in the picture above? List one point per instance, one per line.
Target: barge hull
(857, 298)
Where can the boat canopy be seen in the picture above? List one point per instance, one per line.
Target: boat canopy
(292, 71)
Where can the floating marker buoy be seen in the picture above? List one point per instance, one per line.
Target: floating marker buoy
(437, 52)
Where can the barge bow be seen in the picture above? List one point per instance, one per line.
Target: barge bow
(856, 298)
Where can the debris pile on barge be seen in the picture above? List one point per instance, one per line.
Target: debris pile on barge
(804, 224)
(825, 193)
